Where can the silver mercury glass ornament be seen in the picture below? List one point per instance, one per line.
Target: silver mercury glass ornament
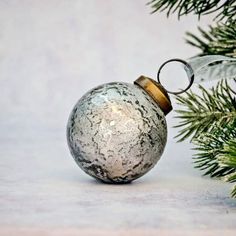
(117, 131)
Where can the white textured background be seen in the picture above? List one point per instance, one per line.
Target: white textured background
(51, 53)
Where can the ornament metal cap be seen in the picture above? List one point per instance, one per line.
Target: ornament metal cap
(156, 91)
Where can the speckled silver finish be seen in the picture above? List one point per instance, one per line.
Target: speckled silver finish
(116, 132)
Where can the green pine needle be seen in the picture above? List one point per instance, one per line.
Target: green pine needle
(233, 193)
(220, 40)
(226, 9)
(210, 120)
(200, 114)
(216, 151)
(227, 158)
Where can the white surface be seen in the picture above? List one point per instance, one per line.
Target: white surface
(51, 52)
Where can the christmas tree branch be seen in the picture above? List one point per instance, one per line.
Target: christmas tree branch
(225, 9)
(227, 159)
(220, 40)
(210, 119)
(202, 113)
(215, 149)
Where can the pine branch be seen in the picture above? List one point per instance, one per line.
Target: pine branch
(226, 9)
(216, 155)
(211, 121)
(201, 114)
(227, 156)
(227, 159)
(220, 40)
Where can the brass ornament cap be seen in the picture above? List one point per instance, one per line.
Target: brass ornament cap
(156, 91)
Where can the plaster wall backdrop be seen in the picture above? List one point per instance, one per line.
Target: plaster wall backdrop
(51, 53)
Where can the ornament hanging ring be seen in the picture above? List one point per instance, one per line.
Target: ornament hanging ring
(187, 68)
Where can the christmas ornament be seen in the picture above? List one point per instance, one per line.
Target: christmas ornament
(117, 131)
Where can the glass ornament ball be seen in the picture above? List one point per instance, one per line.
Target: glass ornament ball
(117, 132)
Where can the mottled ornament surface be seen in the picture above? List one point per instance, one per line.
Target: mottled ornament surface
(116, 132)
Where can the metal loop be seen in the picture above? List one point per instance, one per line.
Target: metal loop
(187, 68)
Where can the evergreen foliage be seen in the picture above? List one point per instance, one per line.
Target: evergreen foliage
(225, 9)
(220, 40)
(209, 119)
(206, 112)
